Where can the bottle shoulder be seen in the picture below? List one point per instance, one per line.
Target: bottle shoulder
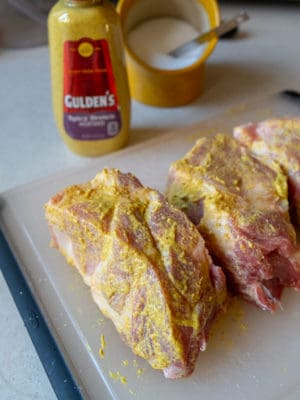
(104, 12)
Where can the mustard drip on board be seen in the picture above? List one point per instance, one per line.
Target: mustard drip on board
(89, 82)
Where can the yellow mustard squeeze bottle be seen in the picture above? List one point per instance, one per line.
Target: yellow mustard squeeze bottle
(89, 82)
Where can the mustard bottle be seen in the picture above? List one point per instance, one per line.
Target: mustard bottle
(90, 92)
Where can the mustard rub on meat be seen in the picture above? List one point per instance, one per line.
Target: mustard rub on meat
(145, 263)
(240, 207)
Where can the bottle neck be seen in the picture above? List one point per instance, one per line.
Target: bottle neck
(82, 3)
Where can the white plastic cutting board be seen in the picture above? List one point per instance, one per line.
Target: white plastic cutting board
(251, 354)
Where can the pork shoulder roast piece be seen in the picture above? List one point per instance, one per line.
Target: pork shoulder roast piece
(146, 265)
(277, 140)
(240, 207)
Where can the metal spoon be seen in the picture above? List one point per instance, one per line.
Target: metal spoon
(220, 30)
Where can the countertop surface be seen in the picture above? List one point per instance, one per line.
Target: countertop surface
(263, 58)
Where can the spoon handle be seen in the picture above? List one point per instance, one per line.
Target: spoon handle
(220, 30)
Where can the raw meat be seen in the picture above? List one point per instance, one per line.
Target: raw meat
(277, 140)
(146, 265)
(240, 207)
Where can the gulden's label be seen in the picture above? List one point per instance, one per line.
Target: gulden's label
(91, 110)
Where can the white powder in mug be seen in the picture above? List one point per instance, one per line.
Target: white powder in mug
(153, 39)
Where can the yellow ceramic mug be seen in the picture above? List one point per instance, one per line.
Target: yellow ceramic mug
(160, 87)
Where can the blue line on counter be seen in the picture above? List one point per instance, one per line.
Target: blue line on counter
(56, 369)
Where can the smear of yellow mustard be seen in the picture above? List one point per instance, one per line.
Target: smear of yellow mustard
(118, 377)
(147, 303)
(197, 177)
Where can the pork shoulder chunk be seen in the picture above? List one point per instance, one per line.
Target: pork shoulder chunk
(145, 263)
(240, 207)
(277, 140)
